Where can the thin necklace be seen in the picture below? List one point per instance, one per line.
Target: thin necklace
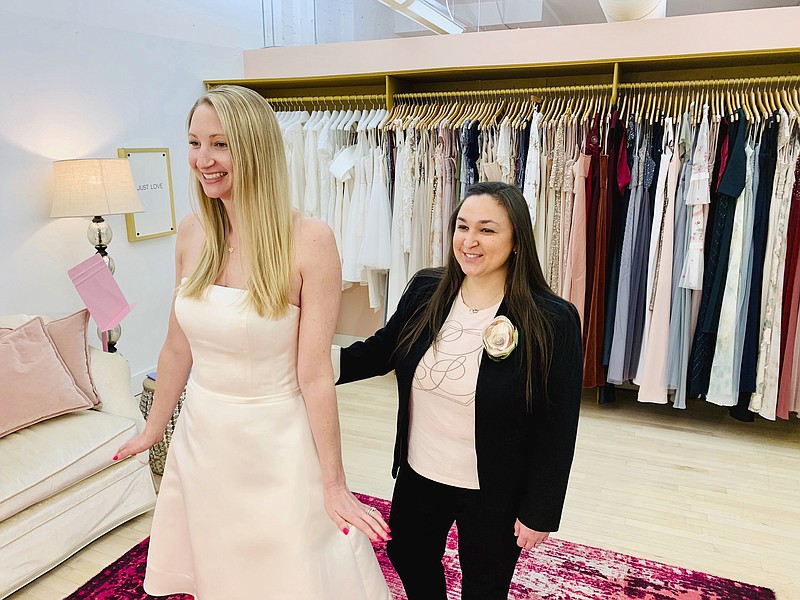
(474, 310)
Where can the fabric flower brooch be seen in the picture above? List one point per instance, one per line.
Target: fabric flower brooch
(500, 338)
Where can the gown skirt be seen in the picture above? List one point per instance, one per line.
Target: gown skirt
(240, 512)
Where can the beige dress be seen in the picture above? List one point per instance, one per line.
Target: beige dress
(240, 511)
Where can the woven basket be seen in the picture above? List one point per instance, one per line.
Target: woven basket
(158, 453)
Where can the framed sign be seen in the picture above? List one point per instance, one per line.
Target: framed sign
(153, 178)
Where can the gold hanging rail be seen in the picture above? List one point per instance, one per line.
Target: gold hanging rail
(758, 97)
(742, 81)
(323, 99)
(466, 94)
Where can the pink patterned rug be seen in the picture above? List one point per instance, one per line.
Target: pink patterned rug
(558, 570)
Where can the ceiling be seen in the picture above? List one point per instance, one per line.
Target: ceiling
(514, 14)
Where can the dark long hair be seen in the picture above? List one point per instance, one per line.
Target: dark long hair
(528, 298)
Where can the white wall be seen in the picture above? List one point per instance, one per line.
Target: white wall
(80, 79)
(303, 22)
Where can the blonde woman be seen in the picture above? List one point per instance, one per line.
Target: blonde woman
(253, 503)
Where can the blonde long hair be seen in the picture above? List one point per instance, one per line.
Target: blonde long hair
(260, 199)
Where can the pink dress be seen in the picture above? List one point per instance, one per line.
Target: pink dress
(575, 272)
(655, 345)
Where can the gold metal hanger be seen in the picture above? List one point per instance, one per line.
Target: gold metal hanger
(770, 98)
(669, 107)
(592, 106)
(787, 101)
(636, 101)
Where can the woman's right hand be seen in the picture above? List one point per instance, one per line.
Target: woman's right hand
(143, 441)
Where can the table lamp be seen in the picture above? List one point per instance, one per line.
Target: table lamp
(93, 187)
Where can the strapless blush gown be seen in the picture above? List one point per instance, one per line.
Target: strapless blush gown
(240, 512)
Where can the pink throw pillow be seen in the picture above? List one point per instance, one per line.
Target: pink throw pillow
(70, 338)
(35, 384)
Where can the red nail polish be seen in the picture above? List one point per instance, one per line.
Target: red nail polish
(346, 530)
(115, 457)
(388, 537)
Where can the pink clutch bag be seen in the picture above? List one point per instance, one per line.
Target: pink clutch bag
(100, 293)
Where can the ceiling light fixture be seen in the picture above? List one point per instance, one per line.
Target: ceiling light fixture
(633, 10)
(425, 14)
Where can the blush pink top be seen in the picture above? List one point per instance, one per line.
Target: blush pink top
(441, 436)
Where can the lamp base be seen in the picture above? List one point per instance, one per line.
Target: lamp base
(99, 235)
(111, 338)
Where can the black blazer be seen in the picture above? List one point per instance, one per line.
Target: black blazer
(524, 458)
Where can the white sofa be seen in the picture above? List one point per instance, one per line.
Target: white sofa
(59, 487)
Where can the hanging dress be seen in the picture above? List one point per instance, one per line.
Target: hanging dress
(575, 290)
(568, 192)
(731, 181)
(681, 305)
(399, 273)
(533, 170)
(655, 338)
(763, 196)
(376, 249)
(697, 196)
(294, 144)
(641, 251)
(764, 400)
(723, 388)
(593, 372)
(791, 306)
(616, 364)
(623, 140)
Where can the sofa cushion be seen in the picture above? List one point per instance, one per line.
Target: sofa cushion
(36, 383)
(57, 454)
(70, 336)
(42, 536)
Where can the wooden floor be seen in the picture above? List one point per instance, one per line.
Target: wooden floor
(693, 488)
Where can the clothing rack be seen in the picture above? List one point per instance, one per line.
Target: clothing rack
(701, 71)
(540, 93)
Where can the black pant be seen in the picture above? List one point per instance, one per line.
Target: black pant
(422, 514)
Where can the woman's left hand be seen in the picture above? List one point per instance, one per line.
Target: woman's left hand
(346, 511)
(529, 538)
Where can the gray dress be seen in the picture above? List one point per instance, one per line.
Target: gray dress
(616, 365)
(681, 310)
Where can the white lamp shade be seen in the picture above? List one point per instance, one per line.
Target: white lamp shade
(93, 187)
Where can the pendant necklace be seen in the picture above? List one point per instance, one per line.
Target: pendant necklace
(474, 310)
